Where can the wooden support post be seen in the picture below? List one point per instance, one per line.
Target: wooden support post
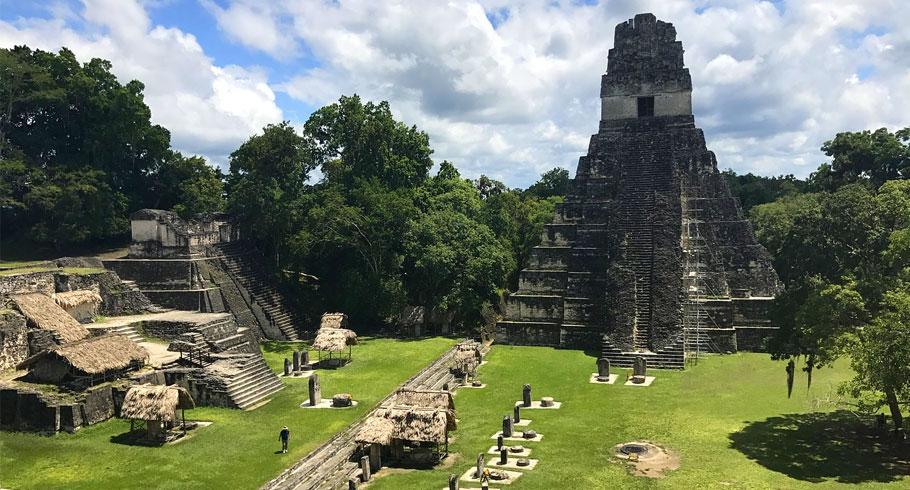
(375, 457)
(365, 469)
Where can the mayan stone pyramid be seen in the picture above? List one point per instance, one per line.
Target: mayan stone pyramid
(649, 255)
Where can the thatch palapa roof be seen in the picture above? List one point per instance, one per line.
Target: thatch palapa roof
(44, 313)
(72, 299)
(155, 402)
(441, 400)
(407, 424)
(334, 339)
(97, 354)
(334, 320)
(411, 415)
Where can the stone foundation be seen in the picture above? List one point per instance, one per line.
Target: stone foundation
(24, 409)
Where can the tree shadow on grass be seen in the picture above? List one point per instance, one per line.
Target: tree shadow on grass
(818, 446)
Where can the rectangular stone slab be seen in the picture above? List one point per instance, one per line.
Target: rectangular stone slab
(536, 405)
(648, 381)
(512, 463)
(523, 454)
(613, 378)
(537, 438)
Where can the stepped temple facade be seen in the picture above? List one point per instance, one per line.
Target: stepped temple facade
(649, 255)
(202, 264)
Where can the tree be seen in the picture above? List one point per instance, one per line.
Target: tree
(489, 187)
(189, 185)
(75, 206)
(753, 190)
(350, 139)
(72, 135)
(518, 218)
(871, 157)
(453, 263)
(844, 258)
(268, 183)
(552, 183)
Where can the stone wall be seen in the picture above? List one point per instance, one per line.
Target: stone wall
(724, 340)
(13, 339)
(207, 389)
(116, 298)
(26, 409)
(40, 341)
(167, 330)
(178, 300)
(154, 274)
(31, 282)
(754, 338)
(163, 234)
(527, 333)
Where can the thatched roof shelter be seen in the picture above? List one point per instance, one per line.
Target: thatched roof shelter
(407, 424)
(72, 299)
(376, 430)
(155, 402)
(44, 313)
(334, 320)
(334, 339)
(439, 400)
(95, 355)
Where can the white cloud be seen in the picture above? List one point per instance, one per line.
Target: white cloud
(253, 24)
(771, 82)
(210, 110)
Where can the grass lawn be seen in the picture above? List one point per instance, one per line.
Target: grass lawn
(728, 418)
(237, 451)
(44, 268)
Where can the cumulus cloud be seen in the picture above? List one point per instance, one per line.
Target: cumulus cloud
(210, 110)
(254, 24)
(510, 88)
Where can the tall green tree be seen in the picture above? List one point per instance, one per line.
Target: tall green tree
(843, 257)
(268, 183)
(351, 140)
(518, 218)
(453, 263)
(78, 151)
(870, 157)
(189, 185)
(552, 183)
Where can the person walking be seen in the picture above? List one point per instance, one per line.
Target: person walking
(284, 436)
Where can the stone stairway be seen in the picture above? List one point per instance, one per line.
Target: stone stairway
(672, 357)
(252, 383)
(126, 330)
(640, 180)
(246, 269)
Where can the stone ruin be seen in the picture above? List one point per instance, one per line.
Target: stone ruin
(649, 254)
(203, 264)
(213, 331)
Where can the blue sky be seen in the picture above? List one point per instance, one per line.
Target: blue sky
(506, 88)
